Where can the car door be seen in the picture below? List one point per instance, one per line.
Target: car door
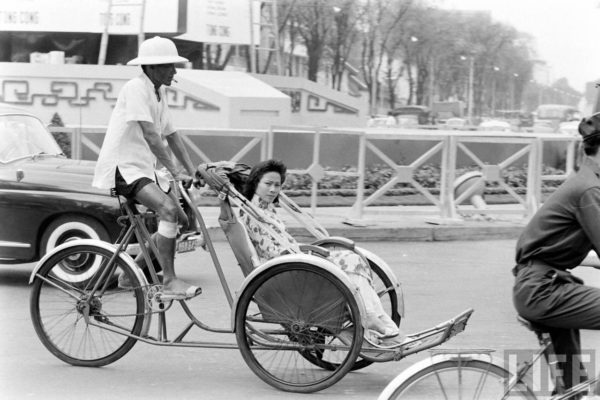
(19, 219)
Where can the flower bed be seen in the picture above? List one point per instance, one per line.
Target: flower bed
(427, 176)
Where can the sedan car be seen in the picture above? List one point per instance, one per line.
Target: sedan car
(495, 125)
(45, 198)
(455, 123)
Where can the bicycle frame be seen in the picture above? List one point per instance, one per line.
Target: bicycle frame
(546, 350)
(148, 247)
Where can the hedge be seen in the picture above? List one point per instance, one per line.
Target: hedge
(427, 176)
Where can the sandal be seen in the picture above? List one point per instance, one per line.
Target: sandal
(346, 336)
(382, 326)
(189, 293)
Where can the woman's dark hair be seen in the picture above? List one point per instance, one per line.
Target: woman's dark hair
(258, 171)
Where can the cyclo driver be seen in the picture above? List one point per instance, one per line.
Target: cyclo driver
(133, 144)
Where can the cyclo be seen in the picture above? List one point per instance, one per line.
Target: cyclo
(288, 315)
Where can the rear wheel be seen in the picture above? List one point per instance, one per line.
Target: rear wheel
(80, 326)
(294, 314)
(389, 300)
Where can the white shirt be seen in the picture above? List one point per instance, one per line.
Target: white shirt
(124, 145)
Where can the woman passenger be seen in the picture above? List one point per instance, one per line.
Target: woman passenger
(262, 188)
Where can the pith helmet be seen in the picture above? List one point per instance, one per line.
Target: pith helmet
(157, 50)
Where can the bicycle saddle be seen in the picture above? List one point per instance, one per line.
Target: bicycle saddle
(532, 326)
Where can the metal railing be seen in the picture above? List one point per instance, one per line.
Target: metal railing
(316, 170)
(446, 144)
(80, 140)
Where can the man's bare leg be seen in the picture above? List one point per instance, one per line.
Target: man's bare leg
(181, 219)
(154, 198)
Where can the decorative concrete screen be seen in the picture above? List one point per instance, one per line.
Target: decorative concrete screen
(85, 95)
(314, 104)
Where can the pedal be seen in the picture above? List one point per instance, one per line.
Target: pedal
(154, 300)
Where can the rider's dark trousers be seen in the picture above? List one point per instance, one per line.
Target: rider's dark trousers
(559, 301)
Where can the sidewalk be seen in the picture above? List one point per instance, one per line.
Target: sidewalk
(395, 223)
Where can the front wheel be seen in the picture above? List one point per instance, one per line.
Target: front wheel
(291, 315)
(80, 325)
(456, 379)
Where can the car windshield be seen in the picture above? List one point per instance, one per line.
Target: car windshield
(23, 136)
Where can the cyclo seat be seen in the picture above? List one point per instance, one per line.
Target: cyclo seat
(240, 244)
(130, 202)
(148, 215)
(244, 251)
(269, 299)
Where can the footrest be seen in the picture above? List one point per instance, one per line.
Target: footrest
(419, 341)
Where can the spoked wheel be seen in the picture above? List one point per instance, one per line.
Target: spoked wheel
(383, 286)
(389, 300)
(291, 314)
(64, 311)
(454, 380)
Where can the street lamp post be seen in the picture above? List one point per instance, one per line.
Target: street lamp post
(470, 108)
(514, 91)
(431, 81)
(412, 94)
(470, 87)
(496, 69)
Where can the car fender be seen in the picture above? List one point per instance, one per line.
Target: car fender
(317, 262)
(103, 210)
(126, 258)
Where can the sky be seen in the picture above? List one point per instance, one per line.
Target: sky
(566, 32)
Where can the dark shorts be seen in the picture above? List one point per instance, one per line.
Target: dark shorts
(129, 190)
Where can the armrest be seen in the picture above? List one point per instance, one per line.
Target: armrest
(309, 248)
(335, 240)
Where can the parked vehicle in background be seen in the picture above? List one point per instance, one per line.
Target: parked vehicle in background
(407, 121)
(495, 125)
(455, 123)
(380, 121)
(525, 120)
(570, 127)
(441, 111)
(542, 127)
(555, 114)
(45, 198)
(421, 114)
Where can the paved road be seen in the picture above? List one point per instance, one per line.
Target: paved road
(440, 279)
